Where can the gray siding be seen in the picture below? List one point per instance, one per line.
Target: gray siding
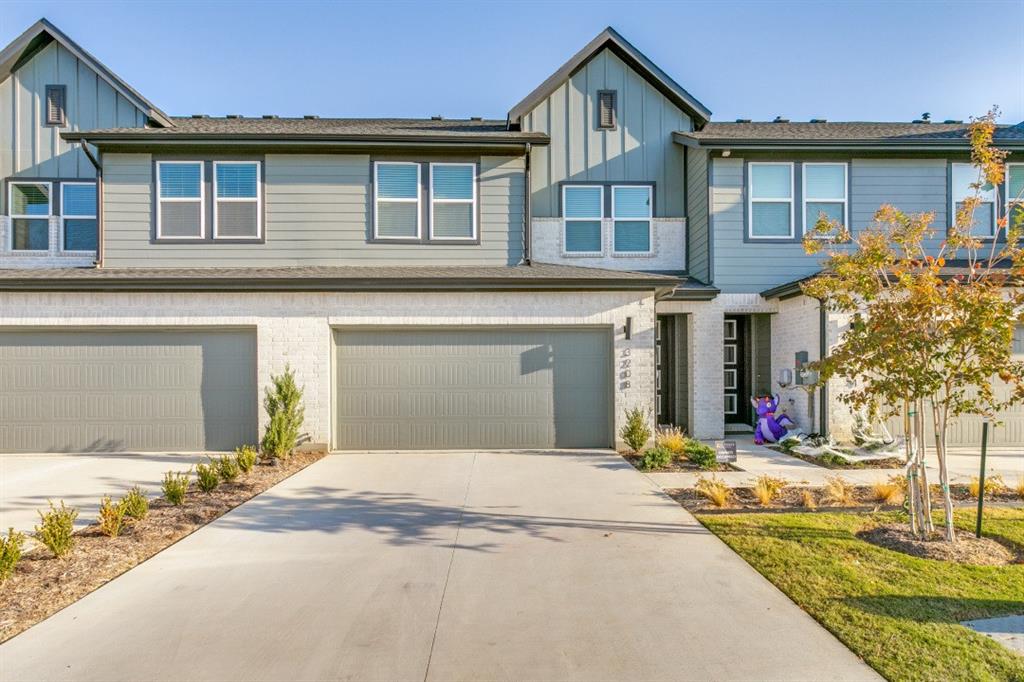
(912, 185)
(30, 148)
(698, 246)
(318, 212)
(640, 148)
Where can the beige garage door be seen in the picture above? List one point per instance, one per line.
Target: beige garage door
(472, 388)
(127, 390)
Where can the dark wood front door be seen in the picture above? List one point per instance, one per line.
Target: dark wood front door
(737, 392)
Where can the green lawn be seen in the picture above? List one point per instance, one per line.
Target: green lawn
(900, 613)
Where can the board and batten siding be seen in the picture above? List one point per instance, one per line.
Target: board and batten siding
(912, 185)
(318, 210)
(698, 245)
(30, 148)
(639, 149)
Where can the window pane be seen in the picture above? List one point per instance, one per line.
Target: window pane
(236, 219)
(1016, 182)
(964, 174)
(180, 219)
(983, 221)
(582, 202)
(453, 182)
(583, 236)
(632, 202)
(397, 182)
(30, 200)
(396, 219)
(31, 234)
(632, 236)
(825, 182)
(180, 180)
(453, 220)
(832, 211)
(771, 182)
(80, 234)
(770, 219)
(79, 199)
(236, 180)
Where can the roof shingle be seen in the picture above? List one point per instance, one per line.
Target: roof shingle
(852, 131)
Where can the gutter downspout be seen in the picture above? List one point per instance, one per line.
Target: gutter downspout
(99, 201)
(822, 351)
(527, 207)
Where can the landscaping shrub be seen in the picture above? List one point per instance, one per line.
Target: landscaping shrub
(993, 484)
(807, 499)
(246, 457)
(227, 467)
(672, 438)
(892, 491)
(10, 553)
(789, 442)
(175, 486)
(839, 492)
(111, 518)
(57, 526)
(207, 476)
(767, 488)
(135, 504)
(286, 413)
(833, 460)
(714, 489)
(701, 454)
(635, 432)
(657, 457)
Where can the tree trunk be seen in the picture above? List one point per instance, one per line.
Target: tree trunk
(912, 501)
(940, 453)
(922, 452)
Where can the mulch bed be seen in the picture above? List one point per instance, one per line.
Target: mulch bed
(890, 463)
(677, 465)
(967, 549)
(43, 584)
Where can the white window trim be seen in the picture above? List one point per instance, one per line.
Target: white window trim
(731, 385)
(377, 199)
(49, 213)
(735, 403)
(240, 200)
(650, 221)
(64, 216)
(729, 327)
(1009, 201)
(956, 198)
(824, 200)
(471, 202)
(201, 199)
(761, 200)
(566, 220)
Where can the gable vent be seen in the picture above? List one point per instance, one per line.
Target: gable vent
(606, 104)
(55, 96)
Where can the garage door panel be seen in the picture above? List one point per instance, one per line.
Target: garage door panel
(470, 388)
(91, 390)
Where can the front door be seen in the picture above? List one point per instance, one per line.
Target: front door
(737, 405)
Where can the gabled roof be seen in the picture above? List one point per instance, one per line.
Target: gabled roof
(41, 34)
(636, 59)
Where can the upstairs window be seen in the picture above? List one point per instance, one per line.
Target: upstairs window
(770, 206)
(31, 208)
(236, 191)
(984, 218)
(1014, 192)
(453, 201)
(396, 191)
(56, 96)
(607, 116)
(179, 186)
(582, 210)
(824, 193)
(78, 212)
(631, 213)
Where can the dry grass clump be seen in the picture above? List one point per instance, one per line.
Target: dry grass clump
(671, 438)
(1019, 489)
(891, 492)
(839, 492)
(714, 489)
(807, 499)
(993, 484)
(767, 488)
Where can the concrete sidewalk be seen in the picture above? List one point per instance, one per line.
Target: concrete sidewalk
(495, 566)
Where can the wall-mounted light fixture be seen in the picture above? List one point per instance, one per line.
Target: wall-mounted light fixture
(628, 328)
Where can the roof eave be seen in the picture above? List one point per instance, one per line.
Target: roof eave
(862, 144)
(298, 138)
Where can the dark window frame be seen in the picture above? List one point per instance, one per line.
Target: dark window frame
(63, 120)
(613, 108)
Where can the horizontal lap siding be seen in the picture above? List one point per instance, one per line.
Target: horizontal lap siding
(318, 212)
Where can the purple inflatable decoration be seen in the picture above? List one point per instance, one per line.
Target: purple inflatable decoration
(769, 427)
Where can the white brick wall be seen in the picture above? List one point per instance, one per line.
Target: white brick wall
(54, 258)
(295, 328)
(668, 247)
(704, 364)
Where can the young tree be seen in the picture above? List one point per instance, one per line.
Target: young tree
(931, 319)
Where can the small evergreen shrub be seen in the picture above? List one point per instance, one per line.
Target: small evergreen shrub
(700, 454)
(227, 468)
(657, 457)
(175, 486)
(635, 432)
(671, 438)
(56, 529)
(135, 504)
(207, 476)
(111, 517)
(283, 404)
(10, 553)
(246, 457)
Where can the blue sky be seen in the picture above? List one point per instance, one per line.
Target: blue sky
(841, 60)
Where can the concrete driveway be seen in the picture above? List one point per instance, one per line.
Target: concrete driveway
(479, 566)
